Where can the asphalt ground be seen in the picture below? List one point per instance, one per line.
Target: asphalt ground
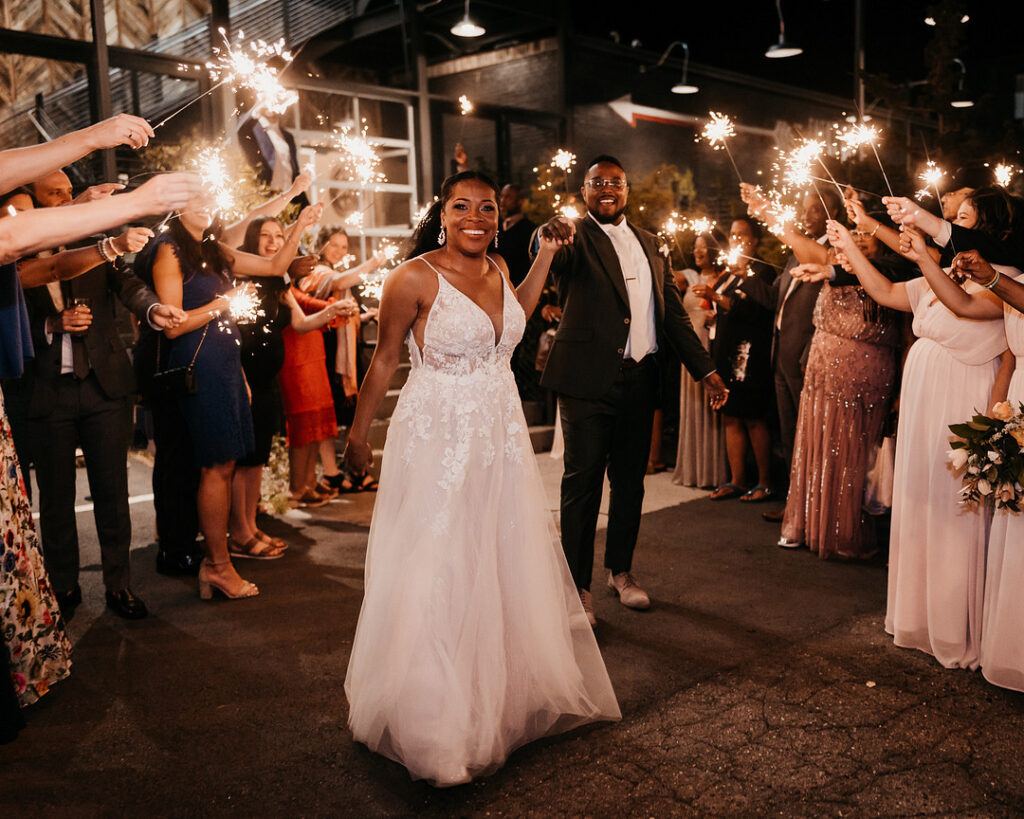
(760, 683)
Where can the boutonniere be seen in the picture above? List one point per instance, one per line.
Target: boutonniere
(663, 249)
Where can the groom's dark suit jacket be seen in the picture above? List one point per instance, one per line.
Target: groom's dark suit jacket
(592, 334)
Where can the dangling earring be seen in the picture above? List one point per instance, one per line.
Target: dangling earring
(441, 238)
(495, 241)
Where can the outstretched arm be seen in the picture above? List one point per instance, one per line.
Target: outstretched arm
(883, 291)
(983, 305)
(970, 263)
(529, 290)
(234, 235)
(249, 264)
(19, 166)
(806, 249)
(33, 230)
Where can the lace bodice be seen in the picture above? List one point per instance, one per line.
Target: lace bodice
(459, 337)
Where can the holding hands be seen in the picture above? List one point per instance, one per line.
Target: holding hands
(556, 233)
(971, 265)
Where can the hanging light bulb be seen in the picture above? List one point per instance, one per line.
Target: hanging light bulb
(681, 87)
(466, 27)
(782, 48)
(961, 99)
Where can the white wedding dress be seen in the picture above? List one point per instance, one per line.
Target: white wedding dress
(471, 640)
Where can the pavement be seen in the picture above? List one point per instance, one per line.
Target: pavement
(760, 683)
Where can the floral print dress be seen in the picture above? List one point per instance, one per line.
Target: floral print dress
(38, 651)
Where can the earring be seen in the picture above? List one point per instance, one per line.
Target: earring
(441, 238)
(495, 241)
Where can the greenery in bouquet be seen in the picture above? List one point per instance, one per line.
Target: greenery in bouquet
(988, 453)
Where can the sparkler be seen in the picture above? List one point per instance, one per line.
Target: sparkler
(564, 160)
(244, 306)
(1004, 174)
(701, 225)
(217, 183)
(860, 135)
(245, 65)
(717, 132)
(465, 106)
(798, 164)
(569, 211)
(930, 176)
(730, 257)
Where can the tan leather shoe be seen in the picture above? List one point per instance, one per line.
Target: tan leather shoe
(588, 607)
(630, 594)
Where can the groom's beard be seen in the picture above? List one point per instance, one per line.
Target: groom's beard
(608, 220)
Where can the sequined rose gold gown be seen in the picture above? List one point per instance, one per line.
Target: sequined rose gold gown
(843, 406)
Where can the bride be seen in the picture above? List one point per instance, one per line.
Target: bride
(471, 640)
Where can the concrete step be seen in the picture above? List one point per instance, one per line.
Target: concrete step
(542, 437)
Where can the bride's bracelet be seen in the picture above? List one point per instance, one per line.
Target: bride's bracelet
(992, 283)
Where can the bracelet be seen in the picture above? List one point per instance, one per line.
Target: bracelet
(992, 283)
(101, 246)
(877, 226)
(111, 247)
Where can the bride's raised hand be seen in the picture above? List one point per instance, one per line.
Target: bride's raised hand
(559, 230)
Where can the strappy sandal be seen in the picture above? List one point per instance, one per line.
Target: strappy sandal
(367, 484)
(276, 542)
(255, 549)
(727, 491)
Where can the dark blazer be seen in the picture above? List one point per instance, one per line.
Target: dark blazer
(592, 334)
(107, 354)
(259, 150)
(791, 341)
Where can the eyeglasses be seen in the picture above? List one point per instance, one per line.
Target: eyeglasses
(597, 184)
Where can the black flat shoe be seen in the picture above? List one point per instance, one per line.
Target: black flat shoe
(125, 604)
(68, 601)
(177, 564)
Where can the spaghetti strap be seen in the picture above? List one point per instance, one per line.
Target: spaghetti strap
(428, 264)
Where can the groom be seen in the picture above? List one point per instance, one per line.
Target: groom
(618, 298)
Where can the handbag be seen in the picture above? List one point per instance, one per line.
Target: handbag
(178, 380)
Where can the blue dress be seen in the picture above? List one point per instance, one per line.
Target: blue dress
(218, 415)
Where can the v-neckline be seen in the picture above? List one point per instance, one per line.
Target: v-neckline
(495, 334)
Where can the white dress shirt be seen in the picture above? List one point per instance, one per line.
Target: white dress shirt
(636, 270)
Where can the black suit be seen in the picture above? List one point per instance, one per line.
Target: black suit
(607, 405)
(90, 410)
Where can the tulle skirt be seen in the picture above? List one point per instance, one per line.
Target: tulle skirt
(471, 640)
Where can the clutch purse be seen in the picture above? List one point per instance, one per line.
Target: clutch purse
(179, 380)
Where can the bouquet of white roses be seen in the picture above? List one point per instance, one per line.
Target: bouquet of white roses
(988, 451)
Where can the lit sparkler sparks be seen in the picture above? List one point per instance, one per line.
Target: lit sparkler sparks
(717, 132)
(701, 225)
(372, 285)
(217, 183)
(354, 220)
(930, 176)
(244, 306)
(465, 106)
(858, 136)
(245, 65)
(730, 257)
(1004, 174)
(674, 224)
(359, 157)
(569, 211)
(563, 160)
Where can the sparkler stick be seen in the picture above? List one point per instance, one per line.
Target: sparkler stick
(717, 132)
(866, 135)
(188, 104)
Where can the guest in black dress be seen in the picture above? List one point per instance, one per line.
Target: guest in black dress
(741, 347)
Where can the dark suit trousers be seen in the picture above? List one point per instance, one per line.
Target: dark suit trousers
(614, 433)
(83, 417)
(175, 480)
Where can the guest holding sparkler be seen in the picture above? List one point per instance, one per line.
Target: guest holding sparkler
(700, 460)
(1002, 652)
(741, 348)
(844, 404)
(191, 270)
(956, 367)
